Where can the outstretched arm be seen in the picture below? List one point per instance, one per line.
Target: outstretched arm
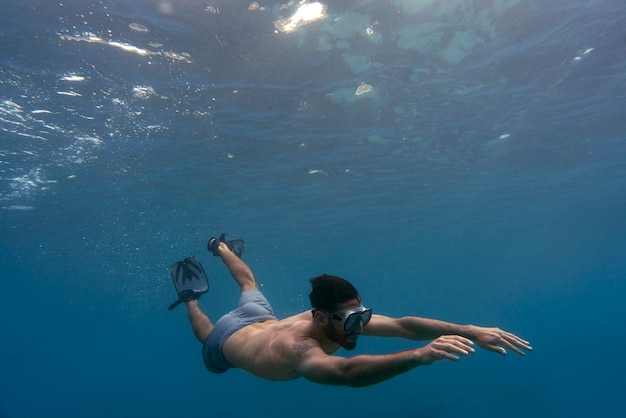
(364, 370)
(416, 328)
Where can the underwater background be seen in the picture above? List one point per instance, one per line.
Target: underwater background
(461, 159)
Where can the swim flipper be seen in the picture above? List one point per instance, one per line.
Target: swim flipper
(235, 245)
(189, 279)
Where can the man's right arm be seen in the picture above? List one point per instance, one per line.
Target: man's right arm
(364, 370)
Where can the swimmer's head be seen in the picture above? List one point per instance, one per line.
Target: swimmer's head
(328, 292)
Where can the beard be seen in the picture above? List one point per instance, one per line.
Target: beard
(347, 342)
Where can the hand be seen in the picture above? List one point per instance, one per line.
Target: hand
(495, 339)
(446, 347)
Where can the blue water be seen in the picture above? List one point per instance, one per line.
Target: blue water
(481, 180)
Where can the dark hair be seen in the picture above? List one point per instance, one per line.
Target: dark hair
(330, 291)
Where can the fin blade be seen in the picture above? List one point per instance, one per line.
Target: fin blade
(237, 246)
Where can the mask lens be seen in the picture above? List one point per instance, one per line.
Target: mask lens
(354, 318)
(365, 318)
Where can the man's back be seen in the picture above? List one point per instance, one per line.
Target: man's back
(265, 349)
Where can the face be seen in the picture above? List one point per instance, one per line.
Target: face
(335, 327)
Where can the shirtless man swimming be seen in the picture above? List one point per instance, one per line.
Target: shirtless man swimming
(253, 339)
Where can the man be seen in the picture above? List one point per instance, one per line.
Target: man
(252, 338)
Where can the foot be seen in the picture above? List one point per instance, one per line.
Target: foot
(236, 245)
(189, 295)
(214, 244)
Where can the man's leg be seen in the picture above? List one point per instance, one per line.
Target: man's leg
(238, 269)
(200, 322)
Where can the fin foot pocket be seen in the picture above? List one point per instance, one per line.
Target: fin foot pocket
(235, 245)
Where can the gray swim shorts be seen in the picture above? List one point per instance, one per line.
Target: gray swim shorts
(253, 308)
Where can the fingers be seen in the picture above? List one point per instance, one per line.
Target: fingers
(519, 342)
(500, 340)
(441, 355)
(452, 346)
(514, 343)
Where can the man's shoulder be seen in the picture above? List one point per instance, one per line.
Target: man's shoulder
(293, 335)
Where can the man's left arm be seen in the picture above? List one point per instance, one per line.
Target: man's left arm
(416, 328)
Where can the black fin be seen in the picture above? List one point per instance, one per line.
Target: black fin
(190, 280)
